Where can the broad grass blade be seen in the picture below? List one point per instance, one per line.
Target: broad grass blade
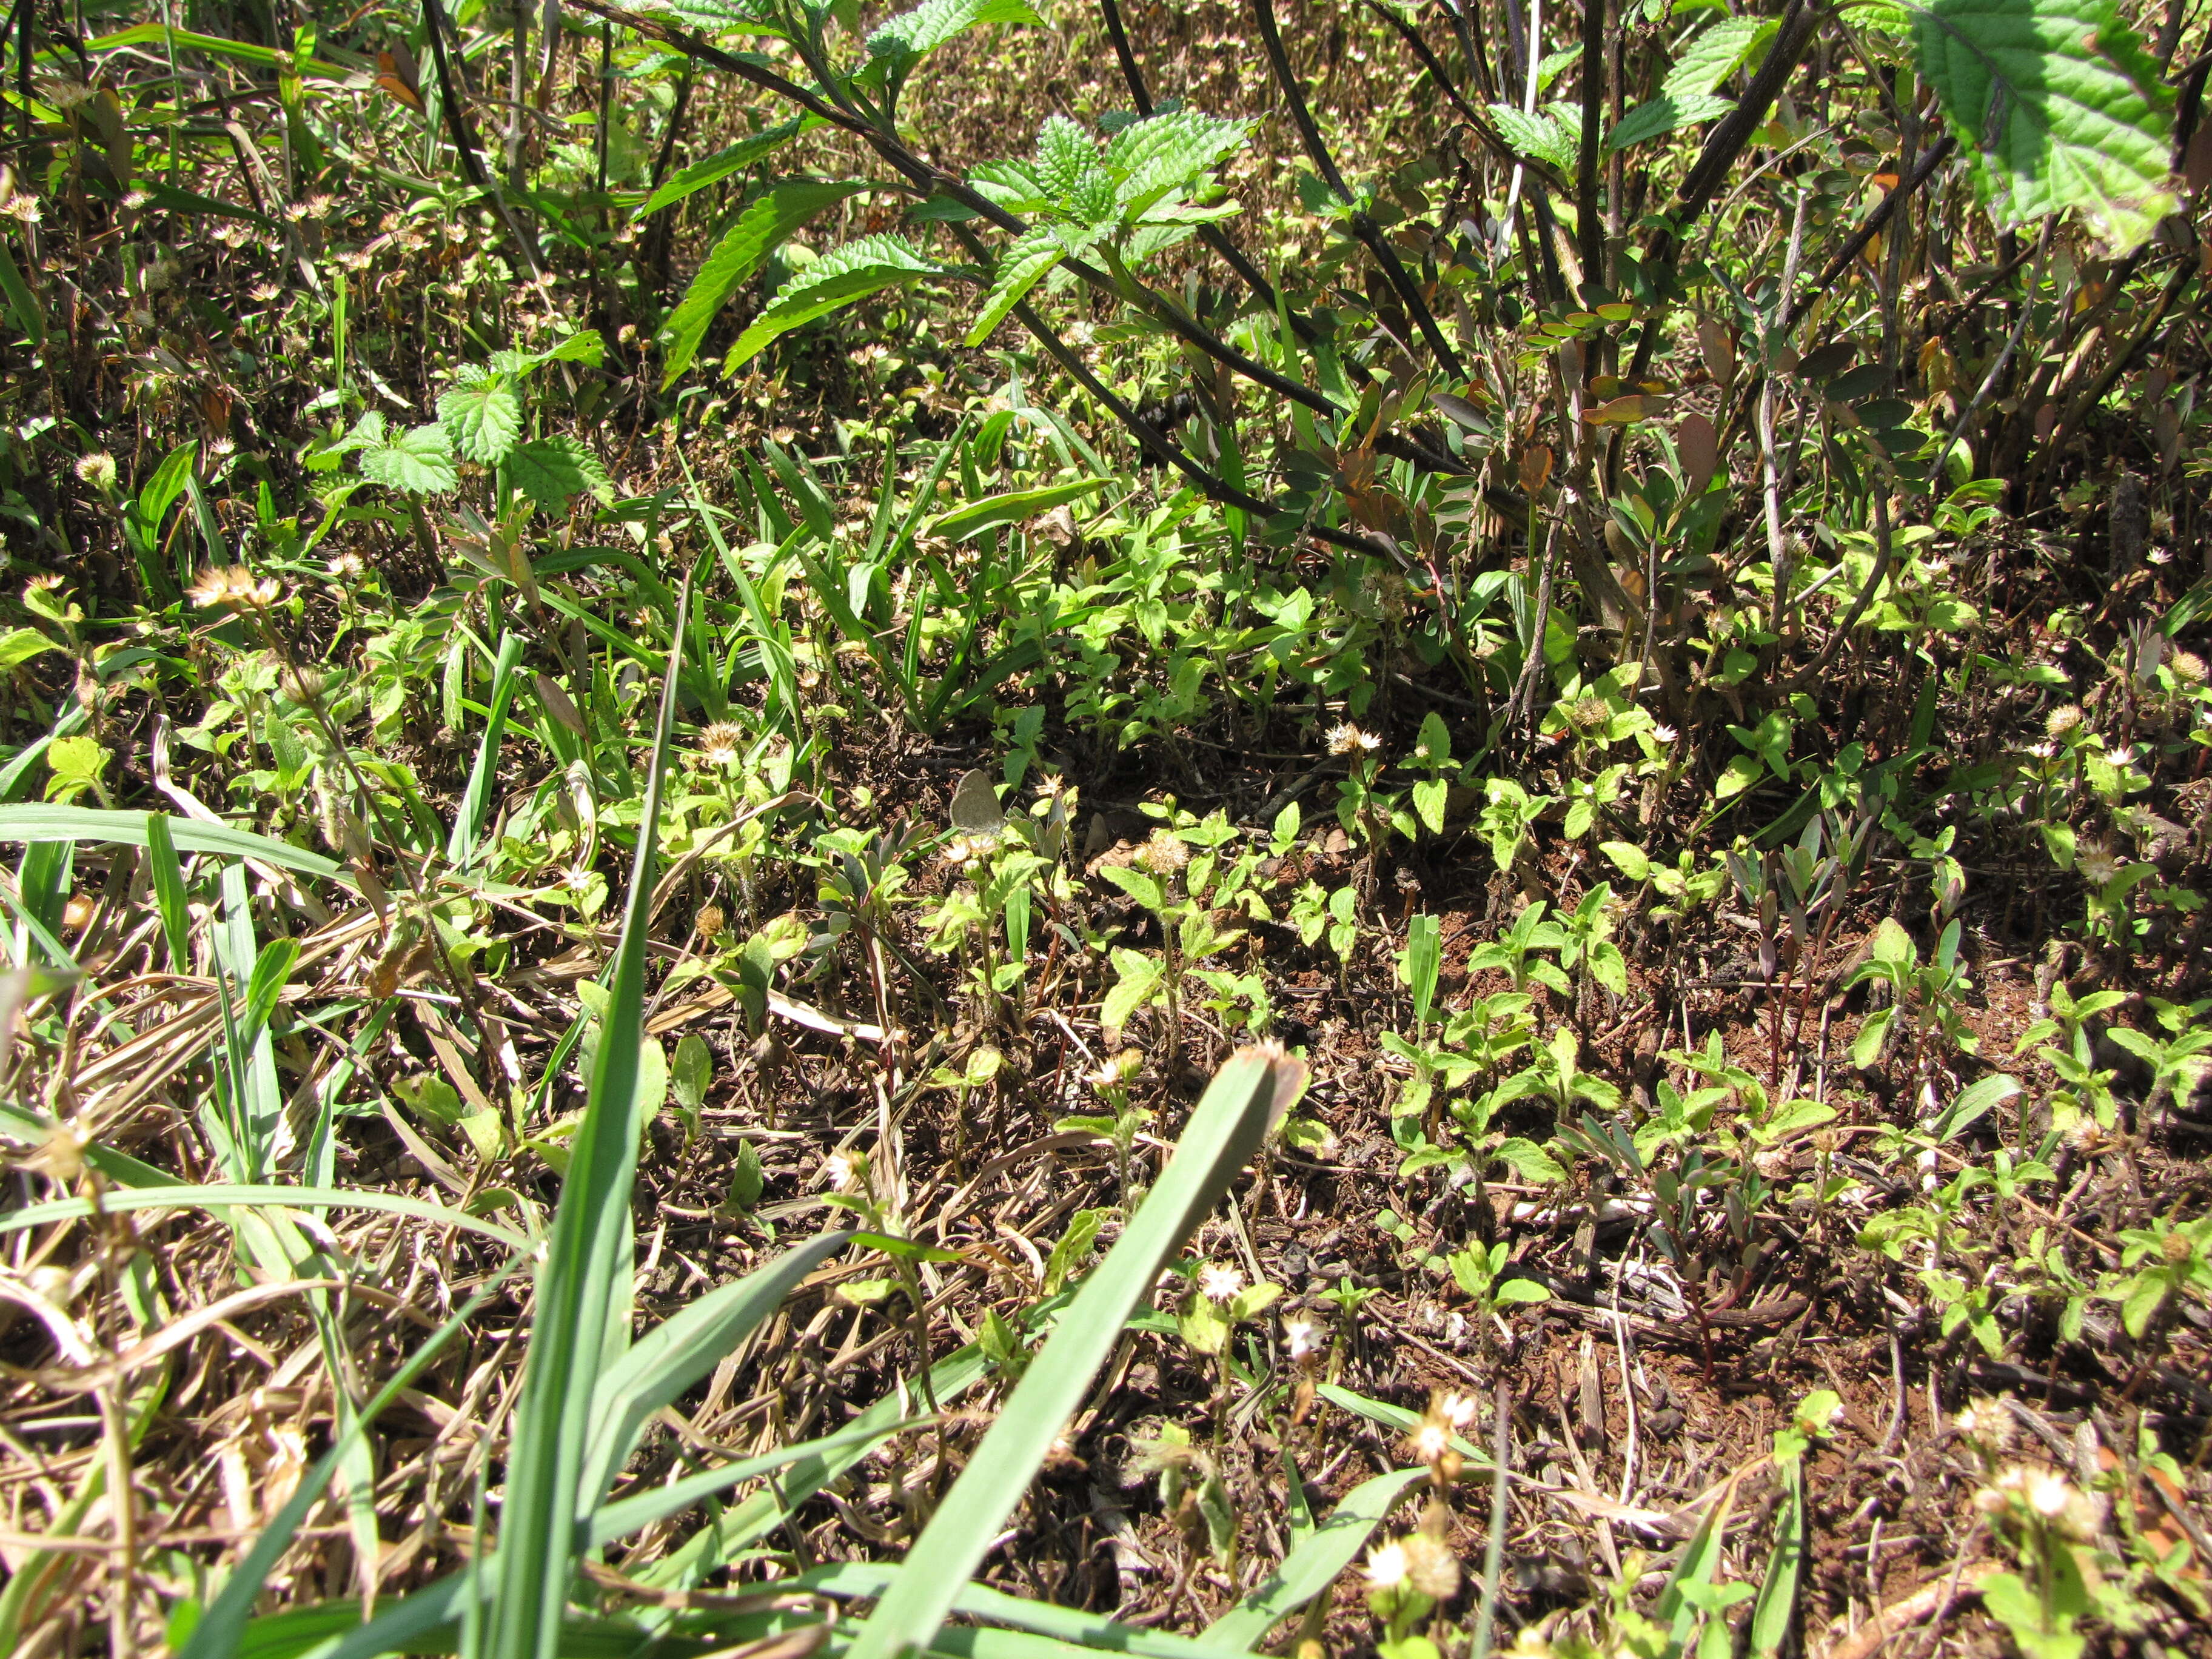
(1312, 1567)
(587, 1263)
(1254, 1088)
(681, 1350)
(468, 822)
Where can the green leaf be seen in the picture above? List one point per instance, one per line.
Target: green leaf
(1662, 115)
(1529, 1161)
(724, 163)
(418, 462)
(1519, 1290)
(1713, 55)
(27, 823)
(760, 230)
(1872, 1037)
(552, 471)
(1430, 795)
(906, 39)
(1012, 506)
(1543, 136)
(1247, 1095)
(482, 415)
(1629, 859)
(583, 1285)
(2059, 105)
(1140, 977)
(1312, 1565)
(1976, 1100)
(1164, 154)
(19, 645)
(1022, 268)
(837, 278)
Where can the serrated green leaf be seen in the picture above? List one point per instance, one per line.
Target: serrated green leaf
(1542, 136)
(482, 416)
(1021, 269)
(2059, 106)
(909, 38)
(1064, 154)
(838, 277)
(1141, 977)
(551, 471)
(723, 162)
(419, 461)
(1713, 56)
(759, 231)
(1662, 114)
(1156, 157)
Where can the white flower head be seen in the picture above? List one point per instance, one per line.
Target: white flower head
(1428, 1440)
(1346, 739)
(1302, 1337)
(1386, 1566)
(1664, 733)
(1455, 1408)
(1219, 1283)
(2048, 1494)
(842, 1171)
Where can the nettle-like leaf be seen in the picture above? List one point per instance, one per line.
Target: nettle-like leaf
(1064, 155)
(552, 471)
(840, 277)
(584, 346)
(2059, 105)
(764, 227)
(1715, 55)
(1164, 153)
(418, 462)
(909, 38)
(730, 16)
(1546, 136)
(1017, 187)
(1022, 268)
(481, 415)
(1662, 115)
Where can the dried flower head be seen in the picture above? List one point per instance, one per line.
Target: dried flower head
(1164, 853)
(303, 686)
(1218, 1282)
(1431, 1568)
(2176, 1249)
(2063, 722)
(1346, 739)
(233, 585)
(709, 921)
(1588, 715)
(98, 470)
(1987, 1423)
(722, 744)
(348, 567)
(2188, 667)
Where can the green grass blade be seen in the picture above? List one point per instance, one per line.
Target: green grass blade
(239, 1194)
(1095, 1631)
(678, 1352)
(468, 822)
(29, 821)
(169, 894)
(1255, 1086)
(589, 1251)
(1773, 1614)
(612, 1521)
(1312, 1566)
(217, 1635)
